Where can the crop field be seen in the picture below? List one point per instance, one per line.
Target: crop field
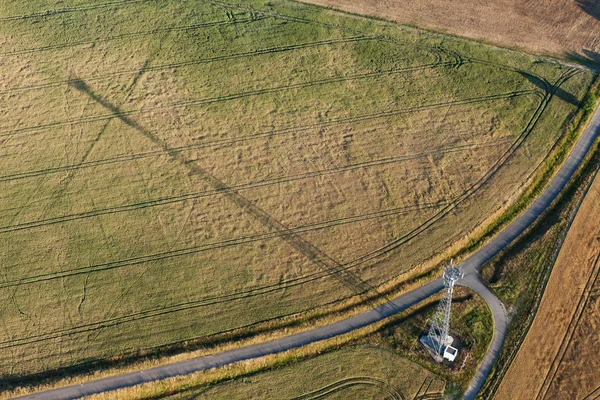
(559, 357)
(566, 28)
(367, 372)
(175, 170)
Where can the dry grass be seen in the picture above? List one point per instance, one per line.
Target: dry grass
(390, 340)
(557, 27)
(387, 372)
(158, 187)
(558, 358)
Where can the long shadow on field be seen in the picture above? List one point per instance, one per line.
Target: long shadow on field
(320, 258)
(592, 7)
(549, 88)
(586, 57)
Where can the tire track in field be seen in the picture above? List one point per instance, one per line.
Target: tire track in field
(165, 310)
(202, 302)
(67, 10)
(130, 35)
(425, 385)
(593, 395)
(218, 99)
(245, 186)
(176, 308)
(198, 61)
(270, 133)
(573, 324)
(479, 183)
(351, 382)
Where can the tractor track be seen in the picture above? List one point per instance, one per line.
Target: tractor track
(67, 10)
(218, 99)
(242, 187)
(198, 61)
(265, 134)
(573, 324)
(350, 382)
(178, 28)
(593, 395)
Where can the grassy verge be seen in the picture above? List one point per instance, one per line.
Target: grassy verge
(140, 205)
(519, 274)
(547, 170)
(471, 327)
(196, 348)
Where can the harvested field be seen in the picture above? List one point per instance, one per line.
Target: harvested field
(559, 357)
(365, 372)
(565, 28)
(176, 170)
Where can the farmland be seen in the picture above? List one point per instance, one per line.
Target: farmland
(176, 170)
(564, 28)
(364, 372)
(388, 361)
(560, 350)
(370, 372)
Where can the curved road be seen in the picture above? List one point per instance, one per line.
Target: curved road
(470, 267)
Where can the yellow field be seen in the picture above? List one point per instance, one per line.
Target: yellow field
(559, 357)
(173, 171)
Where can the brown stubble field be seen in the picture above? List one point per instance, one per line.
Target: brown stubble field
(554, 27)
(559, 357)
(175, 171)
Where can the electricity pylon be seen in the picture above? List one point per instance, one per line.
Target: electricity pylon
(438, 339)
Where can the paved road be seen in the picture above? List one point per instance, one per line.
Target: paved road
(470, 267)
(500, 324)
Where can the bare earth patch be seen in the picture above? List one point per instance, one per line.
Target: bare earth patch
(541, 26)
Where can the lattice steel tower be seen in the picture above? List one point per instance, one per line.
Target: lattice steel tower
(437, 340)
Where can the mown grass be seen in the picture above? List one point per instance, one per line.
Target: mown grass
(178, 170)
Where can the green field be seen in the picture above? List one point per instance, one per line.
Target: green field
(360, 372)
(172, 170)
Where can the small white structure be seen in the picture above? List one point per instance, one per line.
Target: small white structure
(450, 353)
